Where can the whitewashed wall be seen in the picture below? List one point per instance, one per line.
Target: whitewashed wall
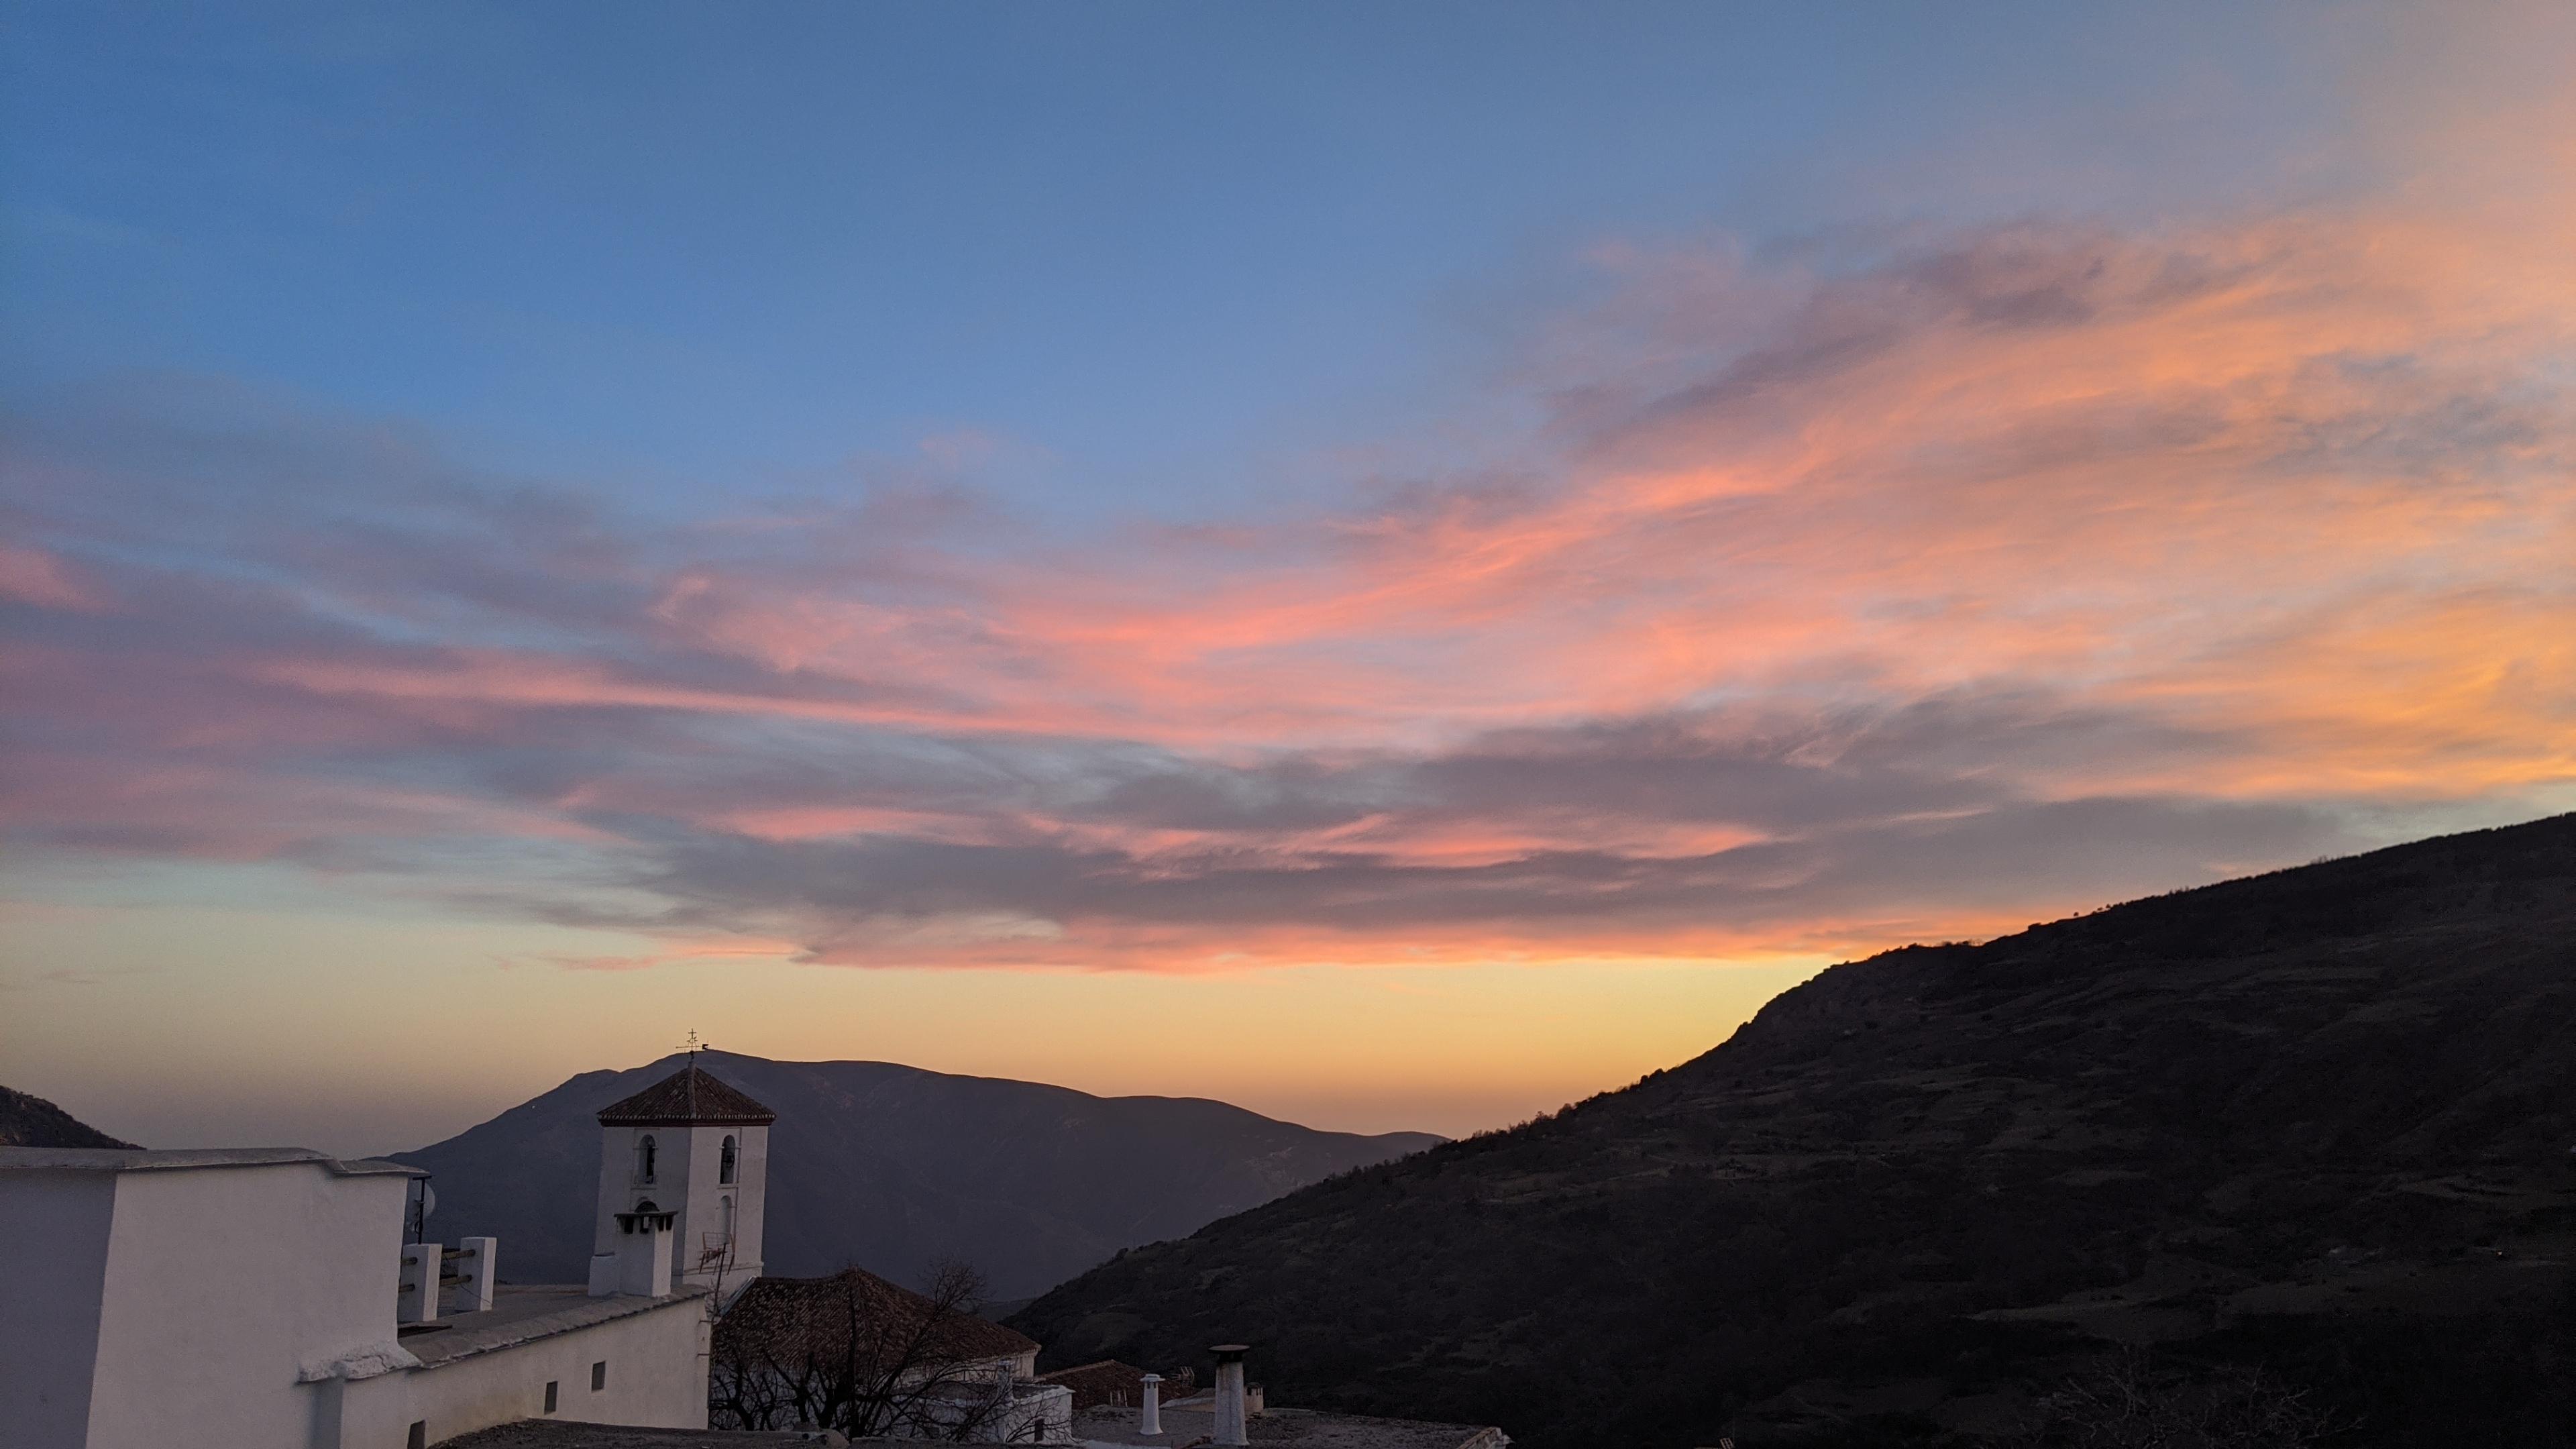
(224, 1284)
(657, 1375)
(688, 1164)
(197, 1303)
(53, 1258)
(217, 1287)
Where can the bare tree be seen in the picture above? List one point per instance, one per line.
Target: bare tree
(2134, 1403)
(855, 1353)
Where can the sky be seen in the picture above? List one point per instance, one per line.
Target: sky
(1397, 566)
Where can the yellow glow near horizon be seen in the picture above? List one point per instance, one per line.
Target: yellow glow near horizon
(395, 1033)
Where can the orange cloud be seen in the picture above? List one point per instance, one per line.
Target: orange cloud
(1913, 593)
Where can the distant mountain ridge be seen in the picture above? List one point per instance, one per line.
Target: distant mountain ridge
(2316, 1123)
(29, 1121)
(891, 1168)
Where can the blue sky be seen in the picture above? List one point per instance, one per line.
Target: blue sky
(1158, 255)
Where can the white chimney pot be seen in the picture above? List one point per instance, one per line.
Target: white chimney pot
(416, 1301)
(644, 1254)
(477, 1262)
(1229, 1394)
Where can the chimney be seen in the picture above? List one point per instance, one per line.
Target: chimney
(476, 1260)
(416, 1301)
(1229, 1393)
(1149, 1416)
(643, 1257)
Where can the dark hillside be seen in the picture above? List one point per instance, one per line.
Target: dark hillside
(2318, 1120)
(27, 1121)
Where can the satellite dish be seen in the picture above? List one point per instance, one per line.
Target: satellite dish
(428, 1199)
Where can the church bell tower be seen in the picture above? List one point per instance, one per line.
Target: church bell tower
(689, 1156)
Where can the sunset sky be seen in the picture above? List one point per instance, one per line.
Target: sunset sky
(1396, 565)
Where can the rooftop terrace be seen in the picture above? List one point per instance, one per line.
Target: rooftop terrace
(525, 1313)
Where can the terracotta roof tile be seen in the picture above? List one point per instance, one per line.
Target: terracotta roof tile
(1104, 1382)
(684, 1097)
(788, 1319)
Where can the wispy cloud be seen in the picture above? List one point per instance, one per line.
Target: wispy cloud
(1892, 586)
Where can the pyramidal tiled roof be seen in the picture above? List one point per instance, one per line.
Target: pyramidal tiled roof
(687, 1095)
(854, 1315)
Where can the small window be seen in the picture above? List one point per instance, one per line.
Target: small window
(644, 1158)
(551, 1386)
(724, 1162)
(418, 1438)
(599, 1376)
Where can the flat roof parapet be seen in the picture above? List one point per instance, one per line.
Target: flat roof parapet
(139, 1159)
(566, 1434)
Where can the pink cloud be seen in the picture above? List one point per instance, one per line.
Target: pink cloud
(1829, 607)
(30, 575)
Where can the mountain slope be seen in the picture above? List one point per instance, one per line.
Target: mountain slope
(2318, 1120)
(27, 1121)
(891, 1168)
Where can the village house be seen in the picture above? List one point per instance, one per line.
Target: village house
(1231, 1414)
(282, 1298)
(1107, 1383)
(1122, 1410)
(856, 1352)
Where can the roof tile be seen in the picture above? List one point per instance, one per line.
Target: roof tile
(685, 1097)
(858, 1315)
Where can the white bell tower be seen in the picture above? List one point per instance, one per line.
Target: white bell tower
(687, 1157)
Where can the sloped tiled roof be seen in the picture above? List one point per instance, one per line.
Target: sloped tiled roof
(685, 1097)
(1107, 1381)
(786, 1320)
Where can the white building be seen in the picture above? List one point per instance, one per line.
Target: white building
(266, 1297)
(697, 1149)
(1233, 1415)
